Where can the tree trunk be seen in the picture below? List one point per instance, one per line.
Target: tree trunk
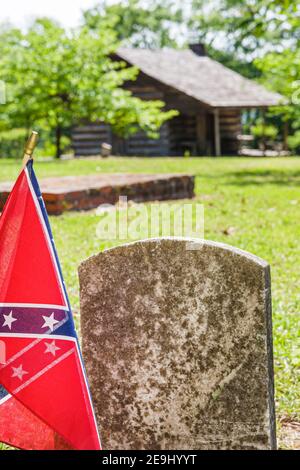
(285, 135)
(58, 141)
(217, 135)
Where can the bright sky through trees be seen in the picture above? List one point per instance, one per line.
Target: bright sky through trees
(67, 12)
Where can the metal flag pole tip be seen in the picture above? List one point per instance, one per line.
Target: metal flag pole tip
(29, 147)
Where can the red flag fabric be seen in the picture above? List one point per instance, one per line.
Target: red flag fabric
(44, 397)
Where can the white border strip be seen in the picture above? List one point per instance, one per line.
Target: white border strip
(7, 397)
(48, 306)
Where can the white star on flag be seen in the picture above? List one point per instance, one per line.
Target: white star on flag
(51, 348)
(49, 321)
(8, 320)
(19, 372)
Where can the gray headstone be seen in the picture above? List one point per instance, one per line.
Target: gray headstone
(177, 341)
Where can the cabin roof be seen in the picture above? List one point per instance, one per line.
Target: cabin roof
(200, 77)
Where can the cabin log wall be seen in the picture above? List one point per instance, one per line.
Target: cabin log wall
(87, 139)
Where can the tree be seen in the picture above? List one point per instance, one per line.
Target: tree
(281, 72)
(149, 24)
(56, 79)
(153, 24)
(249, 27)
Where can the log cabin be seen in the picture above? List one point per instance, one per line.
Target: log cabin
(210, 99)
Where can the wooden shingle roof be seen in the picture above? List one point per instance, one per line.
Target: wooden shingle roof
(199, 77)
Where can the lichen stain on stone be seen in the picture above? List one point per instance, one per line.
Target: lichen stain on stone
(177, 357)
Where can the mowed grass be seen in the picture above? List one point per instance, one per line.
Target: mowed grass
(253, 204)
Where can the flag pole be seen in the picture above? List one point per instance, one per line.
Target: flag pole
(29, 148)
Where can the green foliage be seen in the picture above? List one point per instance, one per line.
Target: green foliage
(264, 130)
(139, 23)
(56, 79)
(248, 26)
(294, 142)
(47, 148)
(281, 72)
(12, 143)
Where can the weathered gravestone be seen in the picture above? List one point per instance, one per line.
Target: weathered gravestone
(178, 346)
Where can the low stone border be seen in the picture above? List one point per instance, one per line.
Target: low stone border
(87, 192)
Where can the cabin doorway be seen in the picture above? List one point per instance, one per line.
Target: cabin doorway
(183, 135)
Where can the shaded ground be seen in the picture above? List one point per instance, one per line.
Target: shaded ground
(253, 204)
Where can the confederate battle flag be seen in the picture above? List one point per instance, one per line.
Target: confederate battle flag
(44, 397)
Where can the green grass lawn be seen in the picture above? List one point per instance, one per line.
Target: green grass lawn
(258, 199)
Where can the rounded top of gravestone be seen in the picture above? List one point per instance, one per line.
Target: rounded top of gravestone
(190, 244)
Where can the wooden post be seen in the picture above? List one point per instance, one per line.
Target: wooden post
(201, 133)
(217, 133)
(285, 135)
(263, 137)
